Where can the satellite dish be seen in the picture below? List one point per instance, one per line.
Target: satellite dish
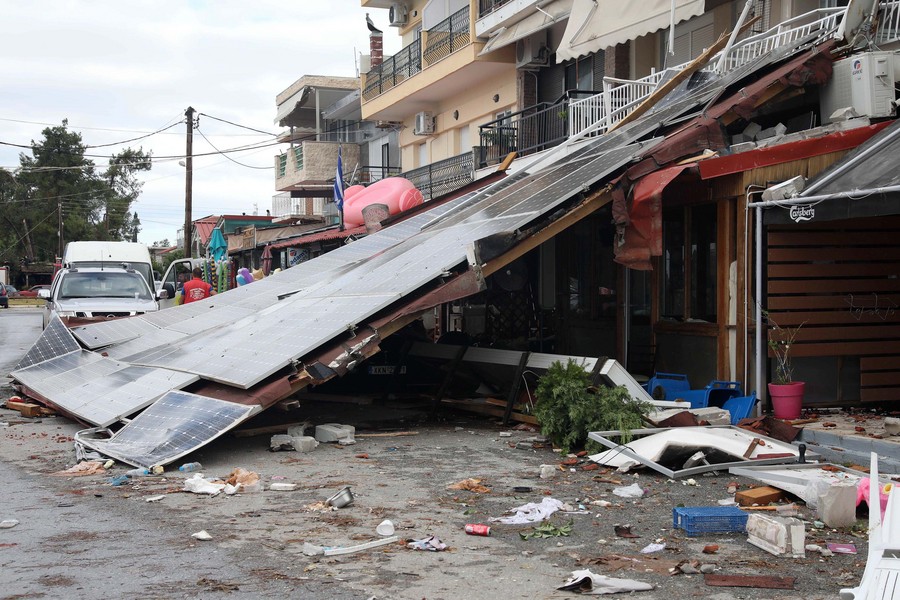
(513, 276)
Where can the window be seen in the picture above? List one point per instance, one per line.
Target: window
(580, 74)
(688, 270)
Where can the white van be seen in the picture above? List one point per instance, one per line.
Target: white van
(110, 254)
(81, 295)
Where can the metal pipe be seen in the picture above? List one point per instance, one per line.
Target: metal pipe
(720, 66)
(760, 377)
(812, 199)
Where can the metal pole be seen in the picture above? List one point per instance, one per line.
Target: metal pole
(720, 66)
(188, 181)
(810, 199)
(760, 359)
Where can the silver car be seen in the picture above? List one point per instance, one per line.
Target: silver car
(84, 295)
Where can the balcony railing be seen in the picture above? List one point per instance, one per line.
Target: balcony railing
(282, 165)
(447, 37)
(367, 174)
(888, 23)
(394, 70)
(443, 176)
(486, 7)
(298, 157)
(527, 131)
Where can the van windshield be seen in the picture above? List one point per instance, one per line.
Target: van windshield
(143, 268)
(103, 285)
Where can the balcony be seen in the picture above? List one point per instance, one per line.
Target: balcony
(447, 37)
(309, 167)
(393, 71)
(443, 176)
(486, 7)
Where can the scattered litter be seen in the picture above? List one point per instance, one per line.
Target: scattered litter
(154, 498)
(710, 549)
(842, 548)
(311, 549)
(431, 544)
(548, 471)
(624, 531)
(244, 479)
(201, 535)
(521, 489)
(385, 528)
(363, 455)
(651, 548)
(586, 582)
(532, 512)
(282, 487)
(689, 482)
(477, 529)
(8, 523)
(109, 464)
(119, 480)
(189, 467)
(505, 434)
(471, 485)
(88, 467)
(601, 503)
(630, 491)
(726, 502)
(341, 499)
(360, 547)
(199, 485)
(547, 530)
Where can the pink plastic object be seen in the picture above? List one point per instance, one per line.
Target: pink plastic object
(397, 193)
(862, 494)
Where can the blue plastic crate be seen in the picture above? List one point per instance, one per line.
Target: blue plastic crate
(696, 520)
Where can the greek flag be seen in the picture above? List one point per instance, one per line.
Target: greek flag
(339, 183)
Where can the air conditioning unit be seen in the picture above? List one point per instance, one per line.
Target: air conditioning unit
(398, 14)
(532, 51)
(424, 123)
(863, 82)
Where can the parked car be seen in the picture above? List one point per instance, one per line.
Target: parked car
(97, 294)
(33, 291)
(11, 292)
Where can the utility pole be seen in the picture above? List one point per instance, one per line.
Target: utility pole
(188, 181)
(60, 231)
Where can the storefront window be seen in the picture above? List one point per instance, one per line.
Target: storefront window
(688, 285)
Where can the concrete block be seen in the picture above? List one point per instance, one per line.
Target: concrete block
(744, 147)
(332, 432)
(766, 134)
(777, 535)
(304, 443)
(837, 505)
(281, 442)
(713, 415)
(751, 130)
(780, 130)
(297, 430)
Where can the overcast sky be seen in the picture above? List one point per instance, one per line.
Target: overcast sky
(120, 69)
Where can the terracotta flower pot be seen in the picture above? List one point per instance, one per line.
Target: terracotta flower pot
(787, 399)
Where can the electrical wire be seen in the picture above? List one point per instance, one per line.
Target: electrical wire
(236, 124)
(228, 157)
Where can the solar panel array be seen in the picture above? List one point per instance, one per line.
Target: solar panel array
(55, 340)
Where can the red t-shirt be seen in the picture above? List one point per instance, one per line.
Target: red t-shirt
(196, 289)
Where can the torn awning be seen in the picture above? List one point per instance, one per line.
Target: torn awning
(597, 24)
(639, 222)
(539, 19)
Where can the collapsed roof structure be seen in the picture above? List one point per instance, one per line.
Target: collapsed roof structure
(200, 369)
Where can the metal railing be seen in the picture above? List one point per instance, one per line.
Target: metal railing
(447, 37)
(888, 23)
(370, 174)
(486, 7)
(394, 70)
(282, 165)
(298, 157)
(443, 176)
(527, 131)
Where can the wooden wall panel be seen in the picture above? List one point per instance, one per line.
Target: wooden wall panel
(840, 280)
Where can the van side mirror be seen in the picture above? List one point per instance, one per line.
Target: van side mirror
(162, 294)
(44, 293)
(169, 289)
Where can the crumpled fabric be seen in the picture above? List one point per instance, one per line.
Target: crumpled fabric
(531, 512)
(586, 582)
(629, 491)
(198, 485)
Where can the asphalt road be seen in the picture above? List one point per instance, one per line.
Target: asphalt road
(19, 328)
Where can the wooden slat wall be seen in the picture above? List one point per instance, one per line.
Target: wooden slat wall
(841, 280)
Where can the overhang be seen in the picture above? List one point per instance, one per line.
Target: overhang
(537, 19)
(598, 24)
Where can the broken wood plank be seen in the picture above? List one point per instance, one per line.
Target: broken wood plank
(761, 496)
(488, 409)
(386, 434)
(766, 582)
(756, 442)
(268, 429)
(29, 409)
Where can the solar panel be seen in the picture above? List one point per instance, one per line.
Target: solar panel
(99, 390)
(173, 426)
(55, 340)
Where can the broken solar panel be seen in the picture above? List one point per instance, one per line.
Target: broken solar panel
(56, 340)
(99, 390)
(173, 426)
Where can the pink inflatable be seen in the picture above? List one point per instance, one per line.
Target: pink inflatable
(396, 193)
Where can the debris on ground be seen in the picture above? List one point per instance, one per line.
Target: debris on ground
(586, 582)
(431, 543)
(201, 535)
(766, 582)
(8, 523)
(88, 467)
(548, 530)
(360, 547)
(624, 531)
(197, 484)
(631, 491)
(470, 485)
(532, 512)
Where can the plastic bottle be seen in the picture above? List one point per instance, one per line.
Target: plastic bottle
(137, 472)
(191, 466)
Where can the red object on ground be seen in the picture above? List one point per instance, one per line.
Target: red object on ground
(478, 529)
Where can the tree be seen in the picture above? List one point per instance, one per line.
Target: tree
(57, 195)
(163, 243)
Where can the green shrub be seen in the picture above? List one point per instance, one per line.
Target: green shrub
(568, 407)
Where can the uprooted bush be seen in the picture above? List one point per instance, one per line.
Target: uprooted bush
(569, 407)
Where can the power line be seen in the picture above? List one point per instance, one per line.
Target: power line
(236, 124)
(228, 157)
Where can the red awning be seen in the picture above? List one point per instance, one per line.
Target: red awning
(639, 221)
(331, 234)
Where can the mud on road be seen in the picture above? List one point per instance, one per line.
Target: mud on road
(82, 537)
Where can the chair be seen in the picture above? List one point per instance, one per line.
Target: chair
(714, 394)
(740, 407)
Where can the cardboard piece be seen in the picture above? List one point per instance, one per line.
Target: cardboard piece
(760, 496)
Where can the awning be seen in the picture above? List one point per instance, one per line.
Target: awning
(286, 108)
(598, 24)
(639, 222)
(331, 234)
(539, 18)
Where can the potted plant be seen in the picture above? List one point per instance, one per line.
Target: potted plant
(785, 393)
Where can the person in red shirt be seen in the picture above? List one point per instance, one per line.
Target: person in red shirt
(196, 289)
